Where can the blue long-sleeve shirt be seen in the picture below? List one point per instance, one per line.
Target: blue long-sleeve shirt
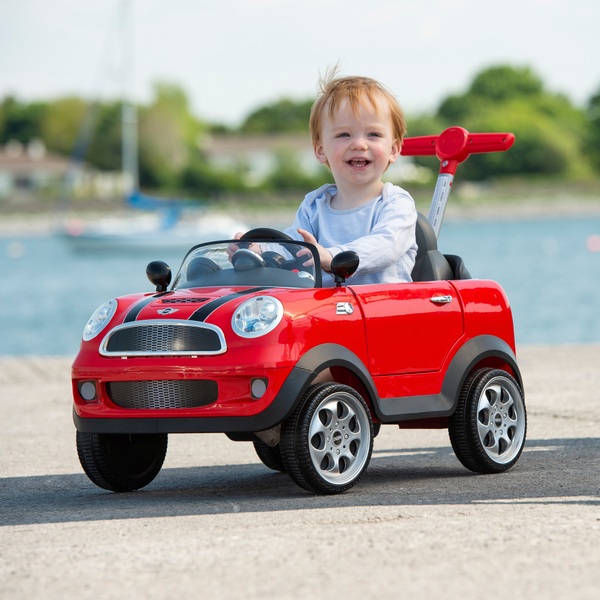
(381, 232)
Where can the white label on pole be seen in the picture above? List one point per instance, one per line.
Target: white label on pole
(439, 201)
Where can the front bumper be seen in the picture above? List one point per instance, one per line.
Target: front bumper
(238, 415)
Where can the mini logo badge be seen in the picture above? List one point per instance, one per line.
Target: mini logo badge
(344, 308)
(167, 311)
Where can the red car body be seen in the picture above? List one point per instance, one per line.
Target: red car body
(436, 352)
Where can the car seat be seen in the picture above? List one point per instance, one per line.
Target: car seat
(430, 263)
(200, 267)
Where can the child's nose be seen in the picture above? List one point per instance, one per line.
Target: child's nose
(359, 143)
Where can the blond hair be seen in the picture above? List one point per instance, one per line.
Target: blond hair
(356, 90)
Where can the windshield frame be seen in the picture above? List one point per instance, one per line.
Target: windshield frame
(267, 275)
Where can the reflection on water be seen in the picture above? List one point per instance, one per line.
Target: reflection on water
(550, 269)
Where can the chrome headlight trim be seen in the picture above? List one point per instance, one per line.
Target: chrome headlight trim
(257, 316)
(99, 320)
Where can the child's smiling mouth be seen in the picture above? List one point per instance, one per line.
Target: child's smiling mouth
(359, 163)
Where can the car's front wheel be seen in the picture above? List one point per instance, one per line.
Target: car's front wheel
(326, 444)
(121, 462)
(488, 428)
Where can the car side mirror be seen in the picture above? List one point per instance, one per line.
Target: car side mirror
(159, 274)
(343, 265)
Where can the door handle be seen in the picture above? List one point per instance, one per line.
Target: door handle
(441, 299)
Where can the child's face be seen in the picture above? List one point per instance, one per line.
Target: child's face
(358, 148)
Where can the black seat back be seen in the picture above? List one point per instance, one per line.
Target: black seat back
(430, 263)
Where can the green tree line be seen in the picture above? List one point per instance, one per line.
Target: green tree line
(554, 138)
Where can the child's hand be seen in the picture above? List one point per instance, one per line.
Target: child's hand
(324, 254)
(233, 248)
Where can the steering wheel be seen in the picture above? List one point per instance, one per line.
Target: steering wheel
(245, 259)
(270, 258)
(265, 233)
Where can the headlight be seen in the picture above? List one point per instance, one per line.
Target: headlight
(99, 320)
(257, 316)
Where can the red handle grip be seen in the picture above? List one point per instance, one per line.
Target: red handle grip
(455, 144)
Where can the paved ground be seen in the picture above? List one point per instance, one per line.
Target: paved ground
(217, 524)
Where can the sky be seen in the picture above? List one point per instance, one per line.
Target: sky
(233, 56)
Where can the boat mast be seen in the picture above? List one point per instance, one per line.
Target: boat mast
(128, 111)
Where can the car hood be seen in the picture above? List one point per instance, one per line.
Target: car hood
(190, 304)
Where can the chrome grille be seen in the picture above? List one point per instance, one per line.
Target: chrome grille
(163, 338)
(165, 394)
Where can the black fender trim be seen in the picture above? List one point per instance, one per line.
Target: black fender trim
(286, 400)
(407, 408)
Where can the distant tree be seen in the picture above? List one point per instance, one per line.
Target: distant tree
(592, 138)
(21, 121)
(203, 181)
(548, 128)
(282, 116)
(62, 123)
(168, 135)
(288, 175)
(104, 148)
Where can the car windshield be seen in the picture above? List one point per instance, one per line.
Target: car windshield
(262, 263)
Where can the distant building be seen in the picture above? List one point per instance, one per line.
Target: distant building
(29, 169)
(32, 171)
(256, 156)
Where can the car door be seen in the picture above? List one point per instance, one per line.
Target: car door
(411, 327)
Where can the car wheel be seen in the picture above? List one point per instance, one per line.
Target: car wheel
(488, 428)
(270, 456)
(326, 444)
(121, 462)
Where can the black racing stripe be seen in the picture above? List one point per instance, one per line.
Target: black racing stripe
(137, 308)
(202, 313)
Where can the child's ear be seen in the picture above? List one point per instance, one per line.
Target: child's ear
(320, 154)
(395, 151)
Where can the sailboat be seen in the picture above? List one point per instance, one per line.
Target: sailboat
(152, 222)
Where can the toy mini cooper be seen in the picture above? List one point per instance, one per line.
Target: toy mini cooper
(236, 344)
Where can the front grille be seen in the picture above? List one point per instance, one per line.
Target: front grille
(164, 338)
(169, 394)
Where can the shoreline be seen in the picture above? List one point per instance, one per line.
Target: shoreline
(34, 219)
(47, 222)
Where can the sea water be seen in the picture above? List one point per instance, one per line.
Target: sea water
(549, 268)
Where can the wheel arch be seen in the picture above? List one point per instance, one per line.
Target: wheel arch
(480, 351)
(346, 368)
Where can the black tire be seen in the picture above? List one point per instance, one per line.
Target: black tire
(326, 444)
(121, 462)
(489, 426)
(270, 456)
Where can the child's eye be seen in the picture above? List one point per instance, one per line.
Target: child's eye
(374, 134)
(342, 135)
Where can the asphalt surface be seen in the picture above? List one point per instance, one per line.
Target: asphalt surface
(216, 523)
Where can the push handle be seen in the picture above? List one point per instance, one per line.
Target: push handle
(455, 144)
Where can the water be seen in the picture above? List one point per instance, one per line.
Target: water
(550, 269)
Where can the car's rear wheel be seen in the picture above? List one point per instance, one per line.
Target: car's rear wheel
(270, 456)
(488, 428)
(326, 444)
(121, 462)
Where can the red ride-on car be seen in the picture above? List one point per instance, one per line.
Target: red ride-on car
(235, 345)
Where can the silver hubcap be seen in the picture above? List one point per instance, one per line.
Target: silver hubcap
(339, 438)
(501, 420)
